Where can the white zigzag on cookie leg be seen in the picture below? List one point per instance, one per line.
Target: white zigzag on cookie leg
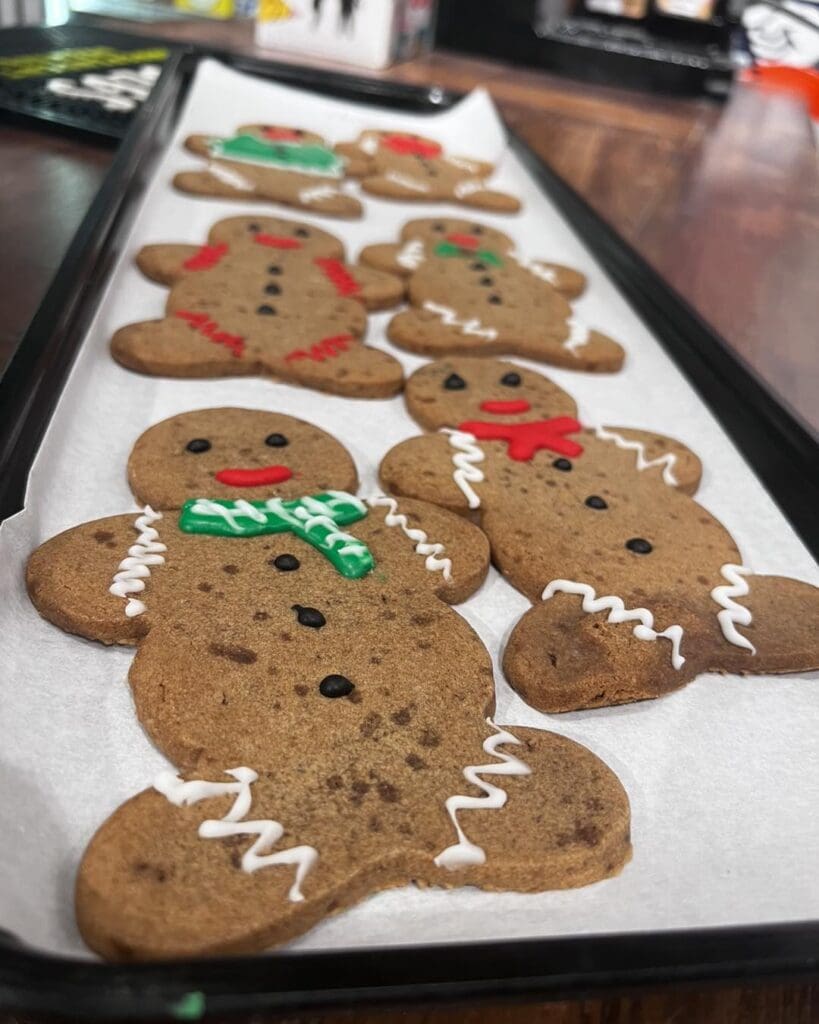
(422, 546)
(466, 472)
(135, 569)
(450, 319)
(732, 612)
(465, 853)
(268, 832)
(619, 613)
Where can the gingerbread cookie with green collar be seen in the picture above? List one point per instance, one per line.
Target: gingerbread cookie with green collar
(329, 716)
(636, 588)
(470, 293)
(273, 163)
(264, 297)
(413, 168)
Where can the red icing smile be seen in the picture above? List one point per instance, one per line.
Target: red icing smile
(506, 408)
(280, 134)
(464, 241)
(405, 145)
(254, 477)
(276, 241)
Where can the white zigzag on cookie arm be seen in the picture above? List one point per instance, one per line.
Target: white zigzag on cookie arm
(578, 335)
(411, 254)
(450, 319)
(268, 832)
(534, 267)
(667, 461)
(469, 188)
(135, 569)
(228, 176)
(466, 472)
(315, 193)
(422, 546)
(733, 613)
(465, 853)
(619, 613)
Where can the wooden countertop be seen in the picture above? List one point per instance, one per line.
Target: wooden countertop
(722, 199)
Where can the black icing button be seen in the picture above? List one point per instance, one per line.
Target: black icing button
(639, 546)
(309, 617)
(285, 563)
(595, 501)
(511, 380)
(274, 268)
(495, 300)
(272, 289)
(477, 266)
(302, 233)
(335, 686)
(255, 228)
(198, 445)
(563, 465)
(276, 441)
(454, 382)
(487, 282)
(266, 310)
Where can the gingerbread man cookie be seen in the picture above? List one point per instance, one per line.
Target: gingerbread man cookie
(471, 294)
(264, 297)
(398, 165)
(637, 588)
(451, 238)
(275, 163)
(328, 714)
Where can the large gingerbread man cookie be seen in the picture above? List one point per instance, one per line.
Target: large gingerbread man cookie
(637, 588)
(274, 163)
(471, 294)
(412, 168)
(264, 296)
(452, 238)
(329, 715)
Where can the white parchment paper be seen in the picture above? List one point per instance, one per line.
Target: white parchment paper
(723, 776)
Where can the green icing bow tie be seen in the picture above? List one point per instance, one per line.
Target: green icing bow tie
(484, 255)
(314, 519)
(308, 158)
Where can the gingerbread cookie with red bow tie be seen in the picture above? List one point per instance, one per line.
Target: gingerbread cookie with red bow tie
(274, 163)
(412, 168)
(328, 715)
(637, 589)
(264, 297)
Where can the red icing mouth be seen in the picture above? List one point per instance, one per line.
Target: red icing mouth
(280, 134)
(254, 477)
(464, 241)
(276, 241)
(506, 408)
(405, 145)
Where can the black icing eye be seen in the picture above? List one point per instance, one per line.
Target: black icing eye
(495, 300)
(595, 501)
(274, 269)
(276, 441)
(511, 380)
(198, 445)
(301, 233)
(439, 227)
(285, 563)
(563, 465)
(639, 546)
(454, 382)
(487, 282)
(272, 289)
(477, 229)
(335, 686)
(477, 266)
(311, 617)
(266, 310)
(255, 228)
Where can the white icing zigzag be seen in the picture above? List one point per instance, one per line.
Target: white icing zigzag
(316, 193)
(462, 164)
(268, 832)
(578, 335)
(733, 614)
(667, 461)
(406, 181)
(466, 472)
(619, 613)
(228, 176)
(422, 546)
(547, 274)
(469, 188)
(450, 319)
(411, 254)
(465, 853)
(135, 569)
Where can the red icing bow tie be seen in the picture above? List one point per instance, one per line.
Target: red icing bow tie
(525, 439)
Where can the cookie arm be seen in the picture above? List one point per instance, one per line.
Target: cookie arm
(199, 144)
(384, 256)
(165, 264)
(377, 290)
(357, 164)
(425, 468)
(658, 455)
(569, 282)
(69, 579)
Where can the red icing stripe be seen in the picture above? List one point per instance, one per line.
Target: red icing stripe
(276, 241)
(209, 329)
(280, 134)
(254, 477)
(506, 408)
(338, 275)
(406, 145)
(526, 439)
(327, 348)
(206, 257)
(464, 241)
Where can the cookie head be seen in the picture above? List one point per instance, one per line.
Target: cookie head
(449, 392)
(456, 236)
(276, 234)
(233, 454)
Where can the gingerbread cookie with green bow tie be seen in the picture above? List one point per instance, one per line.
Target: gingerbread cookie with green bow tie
(269, 297)
(328, 715)
(636, 588)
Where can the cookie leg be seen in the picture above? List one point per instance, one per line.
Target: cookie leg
(175, 347)
(217, 180)
(487, 199)
(565, 820)
(327, 200)
(428, 333)
(342, 366)
(560, 658)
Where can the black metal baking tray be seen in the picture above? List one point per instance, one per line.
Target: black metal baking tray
(779, 448)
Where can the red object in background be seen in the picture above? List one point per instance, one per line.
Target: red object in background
(802, 82)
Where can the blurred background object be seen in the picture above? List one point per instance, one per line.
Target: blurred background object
(33, 12)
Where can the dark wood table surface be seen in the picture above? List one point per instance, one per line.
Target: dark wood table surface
(722, 199)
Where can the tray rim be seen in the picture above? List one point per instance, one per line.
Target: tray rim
(772, 440)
